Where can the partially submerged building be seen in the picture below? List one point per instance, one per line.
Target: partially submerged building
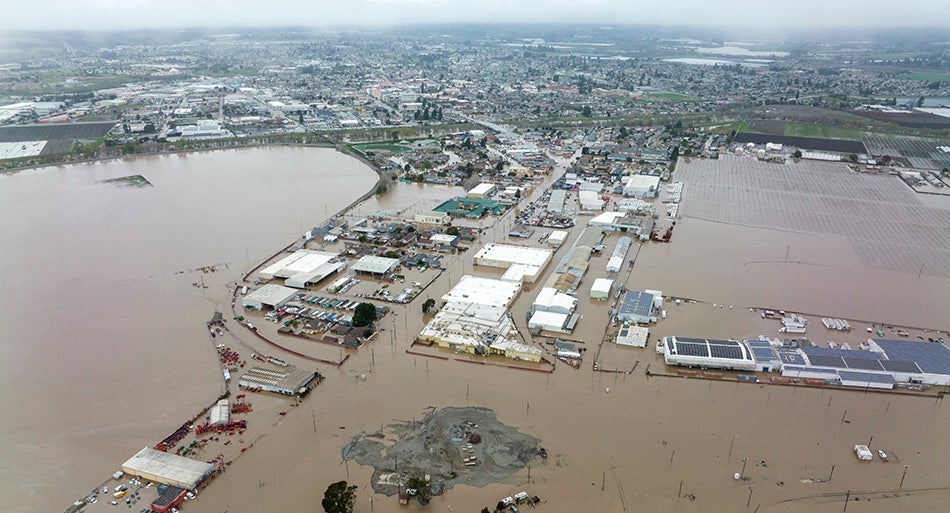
(163, 467)
(475, 319)
(523, 263)
(304, 267)
(286, 381)
(637, 307)
(269, 296)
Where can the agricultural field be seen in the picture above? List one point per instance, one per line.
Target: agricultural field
(919, 153)
(381, 148)
(927, 76)
(673, 97)
(822, 131)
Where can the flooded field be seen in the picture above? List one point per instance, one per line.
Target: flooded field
(92, 384)
(104, 348)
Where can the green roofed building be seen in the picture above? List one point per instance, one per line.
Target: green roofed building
(471, 208)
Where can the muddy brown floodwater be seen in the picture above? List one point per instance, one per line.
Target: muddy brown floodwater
(91, 384)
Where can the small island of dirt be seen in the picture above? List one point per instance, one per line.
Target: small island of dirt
(451, 446)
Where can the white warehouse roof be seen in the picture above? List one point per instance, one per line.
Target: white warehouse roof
(481, 189)
(375, 264)
(163, 467)
(514, 254)
(269, 295)
(642, 182)
(300, 261)
(483, 291)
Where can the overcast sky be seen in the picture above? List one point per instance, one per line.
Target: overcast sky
(132, 14)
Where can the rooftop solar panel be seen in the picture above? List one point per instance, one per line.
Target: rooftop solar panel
(866, 376)
(845, 353)
(758, 343)
(817, 370)
(931, 357)
(898, 366)
(826, 361)
(691, 340)
(719, 351)
(689, 349)
(763, 354)
(863, 364)
(720, 342)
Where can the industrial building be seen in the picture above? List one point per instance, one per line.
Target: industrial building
(375, 265)
(641, 186)
(430, 217)
(600, 290)
(477, 329)
(303, 267)
(483, 291)
(163, 467)
(556, 238)
(523, 263)
(475, 319)
(637, 307)
(286, 381)
(556, 201)
(220, 413)
(615, 264)
(590, 200)
(481, 191)
(552, 321)
(573, 265)
(269, 296)
(170, 498)
(708, 353)
(633, 336)
(624, 222)
(881, 364)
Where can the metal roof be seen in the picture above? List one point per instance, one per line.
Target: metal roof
(931, 357)
(167, 467)
(636, 302)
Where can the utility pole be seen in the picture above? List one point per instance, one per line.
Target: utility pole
(903, 476)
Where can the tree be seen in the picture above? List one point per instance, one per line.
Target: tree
(452, 230)
(427, 305)
(586, 111)
(364, 315)
(340, 497)
(797, 154)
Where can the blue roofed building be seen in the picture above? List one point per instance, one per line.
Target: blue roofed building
(637, 306)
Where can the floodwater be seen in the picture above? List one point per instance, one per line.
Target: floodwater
(102, 351)
(90, 388)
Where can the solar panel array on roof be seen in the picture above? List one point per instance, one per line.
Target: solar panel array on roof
(866, 376)
(863, 363)
(844, 353)
(724, 351)
(763, 354)
(931, 357)
(896, 366)
(758, 343)
(637, 303)
(691, 349)
(826, 361)
(691, 340)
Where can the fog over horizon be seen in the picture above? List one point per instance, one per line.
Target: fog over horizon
(105, 15)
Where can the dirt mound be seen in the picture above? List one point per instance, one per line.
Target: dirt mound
(451, 446)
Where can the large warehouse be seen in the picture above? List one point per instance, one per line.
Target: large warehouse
(375, 265)
(483, 291)
(163, 467)
(641, 186)
(524, 263)
(268, 296)
(288, 381)
(708, 353)
(303, 267)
